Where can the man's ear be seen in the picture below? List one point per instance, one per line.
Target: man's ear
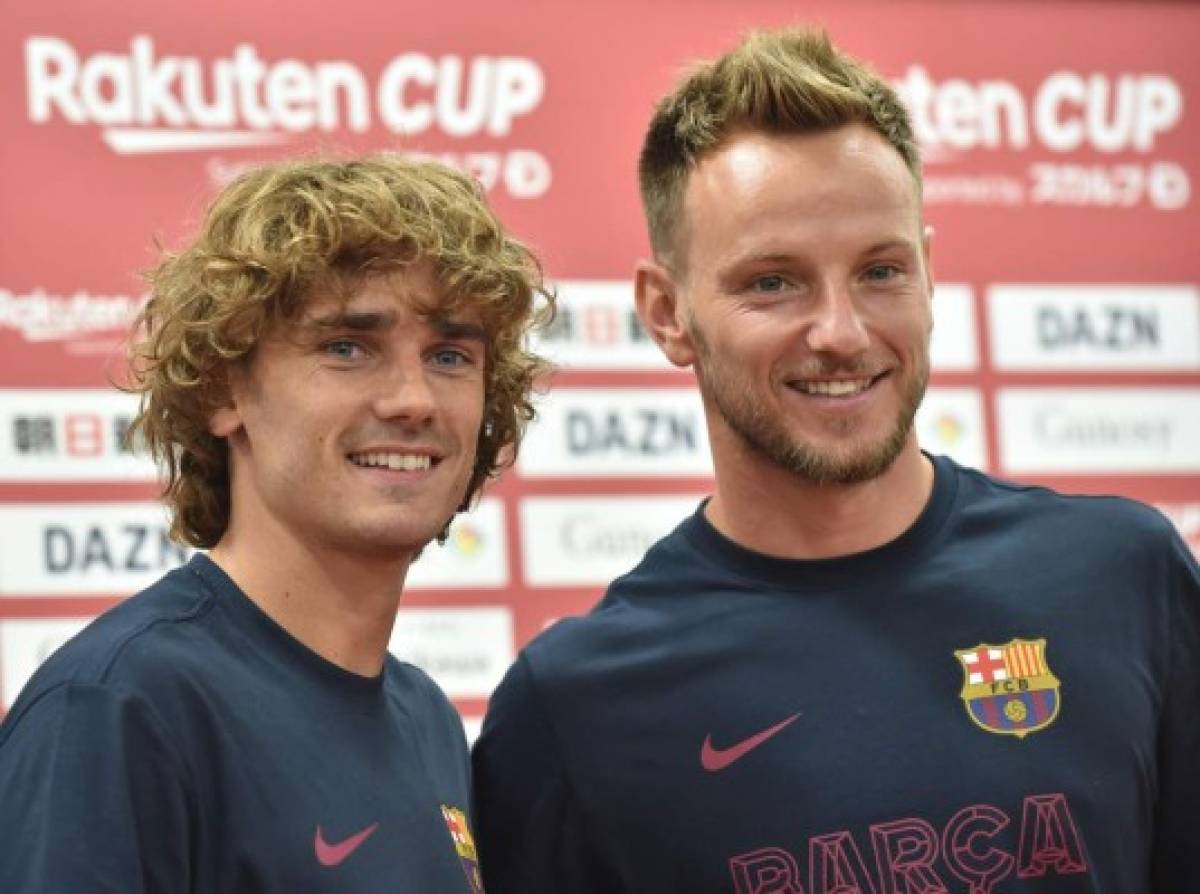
(659, 309)
(225, 420)
(927, 251)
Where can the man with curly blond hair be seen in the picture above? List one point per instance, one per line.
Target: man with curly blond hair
(328, 373)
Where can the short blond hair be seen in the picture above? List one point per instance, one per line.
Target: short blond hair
(270, 240)
(780, 82)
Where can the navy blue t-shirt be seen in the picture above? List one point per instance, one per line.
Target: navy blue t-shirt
(1006, 698)
(184, 742)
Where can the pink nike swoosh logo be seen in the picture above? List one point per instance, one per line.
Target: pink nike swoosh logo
(335, 854)
(714, 759)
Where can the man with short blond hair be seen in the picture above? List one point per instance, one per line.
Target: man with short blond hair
(328, 373)
(857, 668)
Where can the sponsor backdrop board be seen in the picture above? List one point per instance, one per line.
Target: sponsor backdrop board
(1061, 182)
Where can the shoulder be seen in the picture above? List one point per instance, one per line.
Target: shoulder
(411, 685)
(130, 649)
(641, 609)
(984, 496)
(637, 614)
(413, 693)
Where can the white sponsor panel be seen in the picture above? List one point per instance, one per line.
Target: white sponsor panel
(24, 645)
(474, 555)
(596, 327)
(68, 435)
(1099, 430)
(112, 549)
(120, 548)
(588, 541)
(1094, 327)
(950, 421)
(465, 650)
(617, 432)
(954, 346)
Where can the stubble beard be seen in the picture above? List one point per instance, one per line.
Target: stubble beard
(766, 435)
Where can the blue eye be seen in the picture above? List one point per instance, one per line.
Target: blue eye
(882, 272)
(450, 357)
(769, 284)
(342, 349)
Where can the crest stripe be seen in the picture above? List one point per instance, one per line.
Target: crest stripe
(1045, 700)
(1013, 658)
(1033, 709)
(991, 715)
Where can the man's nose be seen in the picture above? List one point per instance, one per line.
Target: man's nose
(404, 393)
(837, 326)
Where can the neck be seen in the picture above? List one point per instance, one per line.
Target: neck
(770, 510)
(341, 606)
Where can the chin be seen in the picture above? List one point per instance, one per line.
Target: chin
(390, 543)
(829, 460)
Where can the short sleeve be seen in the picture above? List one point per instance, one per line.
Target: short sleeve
(92, 798)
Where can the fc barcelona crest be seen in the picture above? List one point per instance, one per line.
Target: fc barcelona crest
(1009, 689)
(464, 846)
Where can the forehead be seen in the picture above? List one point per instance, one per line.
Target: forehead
(819, 188)
(414, 288)
(399, 302)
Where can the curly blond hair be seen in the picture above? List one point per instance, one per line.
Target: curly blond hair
(271, 239)
(780, 82)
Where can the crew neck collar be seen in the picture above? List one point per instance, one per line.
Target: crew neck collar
(794, 573)
(344, 686)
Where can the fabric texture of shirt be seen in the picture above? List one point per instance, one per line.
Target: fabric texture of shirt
(1003, 699)
(184, 742)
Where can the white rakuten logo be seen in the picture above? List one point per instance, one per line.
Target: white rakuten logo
(39, 316)
(152, 103)
(1068, 111)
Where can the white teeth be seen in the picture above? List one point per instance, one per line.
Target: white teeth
(835, 389)
(408, 462)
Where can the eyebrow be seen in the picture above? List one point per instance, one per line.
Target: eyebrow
(772, 257)
(459, 331)
(778, 257)
(377, 321)
(890, 245)
(358, 320)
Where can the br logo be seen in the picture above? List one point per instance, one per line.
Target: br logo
(1009, 689)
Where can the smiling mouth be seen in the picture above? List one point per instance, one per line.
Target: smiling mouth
(400, 462)
(835, 388)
